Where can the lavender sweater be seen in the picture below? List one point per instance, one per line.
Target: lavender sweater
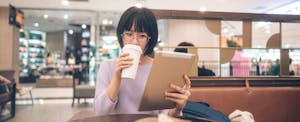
(130, 93)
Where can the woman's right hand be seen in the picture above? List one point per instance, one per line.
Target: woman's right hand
(124, 61)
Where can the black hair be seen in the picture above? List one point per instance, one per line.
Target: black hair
(143, 20)
(183, 50)
(291, 60)
(48, 54)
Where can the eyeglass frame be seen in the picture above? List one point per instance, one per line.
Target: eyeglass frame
(124, 33)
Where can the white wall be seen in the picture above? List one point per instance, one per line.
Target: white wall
(259, 35)
(9, 44)
(290, 35)
(193, 31)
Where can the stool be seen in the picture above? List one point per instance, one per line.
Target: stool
(26, 90)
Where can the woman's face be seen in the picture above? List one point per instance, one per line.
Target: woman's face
(137, 38)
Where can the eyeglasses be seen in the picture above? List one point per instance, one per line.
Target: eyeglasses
(139, 36)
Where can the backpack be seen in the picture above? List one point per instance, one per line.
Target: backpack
(202, 110)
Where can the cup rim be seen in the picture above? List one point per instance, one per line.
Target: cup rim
(132, 46)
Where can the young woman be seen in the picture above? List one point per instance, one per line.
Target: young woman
(122, 96)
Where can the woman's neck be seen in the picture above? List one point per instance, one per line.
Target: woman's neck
(145, 60)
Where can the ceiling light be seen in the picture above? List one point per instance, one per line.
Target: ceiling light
(231, 34)
(202, 9)
(225, 30)
(65, 2)
(105, 22)
(267, 27)
(71, 32)
(45, 16)
(66, 16)
(41, 101)
(161, 44)
(110, 22)
(268, 31)
(83, 26)
(36, 24)
(138, 5)
(287, 46)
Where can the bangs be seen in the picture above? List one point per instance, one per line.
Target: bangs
(137, 23)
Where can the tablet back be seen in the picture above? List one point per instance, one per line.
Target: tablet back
(168, 67)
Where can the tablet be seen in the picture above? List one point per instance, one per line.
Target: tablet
(167, 67)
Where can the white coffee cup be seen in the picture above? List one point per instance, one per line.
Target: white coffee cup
(135, 53)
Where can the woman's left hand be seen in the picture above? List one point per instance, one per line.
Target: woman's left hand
(180, 96)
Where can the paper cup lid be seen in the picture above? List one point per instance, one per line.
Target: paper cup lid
(132, 46)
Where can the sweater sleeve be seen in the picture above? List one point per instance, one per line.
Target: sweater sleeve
(102, 103)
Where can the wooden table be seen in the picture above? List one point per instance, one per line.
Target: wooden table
(119, 118)
(114, 118)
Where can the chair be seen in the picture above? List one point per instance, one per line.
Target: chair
(81, 90)
(9, 96)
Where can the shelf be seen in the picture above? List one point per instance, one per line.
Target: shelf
(36, 46)
(23, 57)
(85, 46)
(37, 64)
(34, 41)
(31, 51)
(36, 57)
(23, 40)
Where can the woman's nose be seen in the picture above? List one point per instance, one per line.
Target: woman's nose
(134, 41)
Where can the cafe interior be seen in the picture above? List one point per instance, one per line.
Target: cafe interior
(247, 56)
